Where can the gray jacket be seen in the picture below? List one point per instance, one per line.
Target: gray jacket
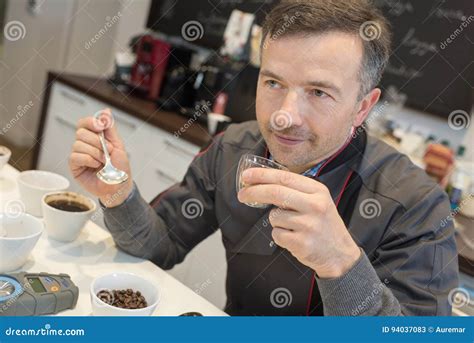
(396, 214)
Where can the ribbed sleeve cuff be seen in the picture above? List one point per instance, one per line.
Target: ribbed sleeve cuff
(352, 294)
(119, 218)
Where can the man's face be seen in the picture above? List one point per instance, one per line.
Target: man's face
(307, 93)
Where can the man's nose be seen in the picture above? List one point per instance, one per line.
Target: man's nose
(290, 105)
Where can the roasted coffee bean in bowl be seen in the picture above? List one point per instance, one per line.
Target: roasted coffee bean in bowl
(123, 294)
(124, 298)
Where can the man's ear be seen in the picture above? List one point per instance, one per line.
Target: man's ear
(366, 105)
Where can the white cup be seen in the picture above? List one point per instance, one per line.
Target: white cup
(62, 224)
(5, 155)
(215, 118)
(21, 233)
(119, 281)
(34, 184)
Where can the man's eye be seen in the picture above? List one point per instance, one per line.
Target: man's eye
(318, 93)
(272, 83)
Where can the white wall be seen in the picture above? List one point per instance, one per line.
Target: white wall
(24, 62)
(103, 28)
(91, 38)
(60, 38)
(136, 15)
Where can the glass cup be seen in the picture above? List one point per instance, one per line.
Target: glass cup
(253, 161)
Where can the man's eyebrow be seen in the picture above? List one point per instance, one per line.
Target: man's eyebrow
(321, 83)
(270, 74)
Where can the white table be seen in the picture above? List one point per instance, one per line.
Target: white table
(93, 254)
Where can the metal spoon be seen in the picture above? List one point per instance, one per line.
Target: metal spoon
(109, 174)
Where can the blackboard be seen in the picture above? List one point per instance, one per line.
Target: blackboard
(436, 74)
(170, 16)
(433, 53)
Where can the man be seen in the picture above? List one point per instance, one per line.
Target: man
(355, 228)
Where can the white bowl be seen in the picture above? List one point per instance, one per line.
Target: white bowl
(119, 281)
(20, 233)
(34, 184)
(5, 155)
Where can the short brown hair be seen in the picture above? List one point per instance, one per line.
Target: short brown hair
(358, 17)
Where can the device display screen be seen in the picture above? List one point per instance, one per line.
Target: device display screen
(36, 285)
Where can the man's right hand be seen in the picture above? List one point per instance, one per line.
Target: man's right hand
(87, 158)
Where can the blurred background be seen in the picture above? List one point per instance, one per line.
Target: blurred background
(177, 72)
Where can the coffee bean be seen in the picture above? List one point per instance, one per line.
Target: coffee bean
(125, 298)
(106, 296)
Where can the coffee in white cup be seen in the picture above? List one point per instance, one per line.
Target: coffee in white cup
(65, 214)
